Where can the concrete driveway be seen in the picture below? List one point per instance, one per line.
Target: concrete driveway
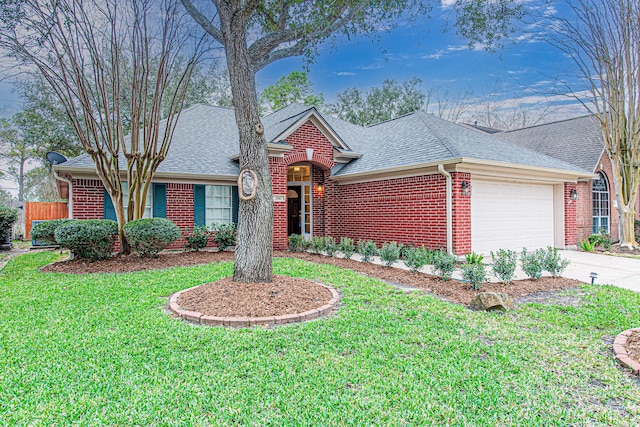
(613, 270)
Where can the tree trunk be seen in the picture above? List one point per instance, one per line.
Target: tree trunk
(254, 242)
(625, 179)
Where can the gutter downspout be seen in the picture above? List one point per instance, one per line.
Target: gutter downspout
(68, 181)
(447, 175)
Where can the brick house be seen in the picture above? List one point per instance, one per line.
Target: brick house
(579, 141)
(416, 179)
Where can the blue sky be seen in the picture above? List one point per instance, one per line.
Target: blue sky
(526, 69)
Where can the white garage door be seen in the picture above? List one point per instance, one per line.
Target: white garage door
(511, 216)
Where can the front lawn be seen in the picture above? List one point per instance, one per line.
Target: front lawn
(98, 349)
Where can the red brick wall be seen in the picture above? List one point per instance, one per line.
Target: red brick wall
(461, 214)
(306, 136)
(407, 210)
(180, 209)
(570, 218)
(88, 199)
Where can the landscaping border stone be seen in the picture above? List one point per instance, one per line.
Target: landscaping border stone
(244, 322)
(620, 351)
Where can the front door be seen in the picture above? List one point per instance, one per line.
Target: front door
(294, 210)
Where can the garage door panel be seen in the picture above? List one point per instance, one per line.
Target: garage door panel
(511, 216)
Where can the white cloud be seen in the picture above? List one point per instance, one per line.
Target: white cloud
(344, 73)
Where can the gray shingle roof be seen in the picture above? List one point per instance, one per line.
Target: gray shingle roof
(577, 141)
(206, 137)
(423, 138)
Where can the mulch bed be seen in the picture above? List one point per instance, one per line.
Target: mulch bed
(226, 298)
(633, 346)
(129, 263)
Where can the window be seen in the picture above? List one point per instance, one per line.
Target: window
(218, 204)
(600, 204)
(148, 206)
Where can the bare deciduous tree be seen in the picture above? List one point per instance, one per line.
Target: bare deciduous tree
(95, 54)
(603, 39)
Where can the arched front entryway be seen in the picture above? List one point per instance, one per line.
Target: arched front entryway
(600, 205)
(299, 200)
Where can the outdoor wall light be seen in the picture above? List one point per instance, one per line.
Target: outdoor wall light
(466, 188)
(320, 189)
(573, 194)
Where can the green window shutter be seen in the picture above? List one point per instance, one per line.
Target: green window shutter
(109, 211)
(235, 204)
(159, 200)
(198, 205)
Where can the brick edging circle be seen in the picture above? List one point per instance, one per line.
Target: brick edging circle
(243, 322)
(620, 351)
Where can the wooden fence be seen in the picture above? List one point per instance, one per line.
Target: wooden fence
(35, 211)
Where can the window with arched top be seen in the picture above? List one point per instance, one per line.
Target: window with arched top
(600, 204)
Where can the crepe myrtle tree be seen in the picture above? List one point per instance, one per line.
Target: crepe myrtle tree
(103, 58)
(255, 33)
(603, 39)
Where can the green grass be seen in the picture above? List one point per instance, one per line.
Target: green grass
(99, 350)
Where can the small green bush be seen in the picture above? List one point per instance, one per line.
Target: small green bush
(475, 273)
(586, 246)
(297, 243)
(346, 247)
(148, 236)
(444, 265)
(474, 258)
(600, 240)
(367, 249)
(8, 217)
(554, 263)
(390, 253)
(197, 237)
(224, 235)
(504, 265)
(330, 246)
(93, 239)
(44, 232)
(416, 258)
(533, 263)
(317, 244)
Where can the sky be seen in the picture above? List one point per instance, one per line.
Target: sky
(527, 70)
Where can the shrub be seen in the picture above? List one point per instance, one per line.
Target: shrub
(474, 258)
(148, 236)
(586, 246)
(317, 244)
(475, 273)
(224, 235)
(416, 258)
(390, 253)
(554, 263)
(330, 246)
(444, 264)
(600, 240)
(8, 217)
(636, 227)
(346, 247)
(298, 243)
(533, 263)
(89, 238)
(45, 231)
(504, 265)
(404, 250)
(367, 249)
(197, 237)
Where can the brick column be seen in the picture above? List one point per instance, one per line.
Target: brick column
(279, 182)
(461, 214)
(180, 209)
(570, 228)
